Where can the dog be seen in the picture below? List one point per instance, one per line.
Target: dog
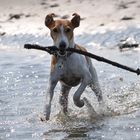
(70, 69)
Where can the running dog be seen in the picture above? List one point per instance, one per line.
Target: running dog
(70, 69)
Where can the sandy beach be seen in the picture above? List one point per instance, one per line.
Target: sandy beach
(95, 14)
(24, 73)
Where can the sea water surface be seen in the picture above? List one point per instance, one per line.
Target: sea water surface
(23, 83)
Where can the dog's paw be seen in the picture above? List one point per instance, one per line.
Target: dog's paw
(63, 116)
(103, 109)
(43, 117)
(92, 113)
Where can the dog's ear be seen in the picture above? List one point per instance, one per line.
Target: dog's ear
(49, 21)
(75, 20)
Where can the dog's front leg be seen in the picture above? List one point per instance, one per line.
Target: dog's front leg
(77, 101)
(64, 98)
(52, 83)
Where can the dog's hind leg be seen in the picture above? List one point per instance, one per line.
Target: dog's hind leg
(97, 90)
(64, 98)
(95, 84)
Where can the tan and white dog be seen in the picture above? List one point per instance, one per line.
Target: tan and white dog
(70, 69)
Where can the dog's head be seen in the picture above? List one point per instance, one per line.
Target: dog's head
(62, 30)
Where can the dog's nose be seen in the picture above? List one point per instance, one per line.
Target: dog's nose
(62, 45)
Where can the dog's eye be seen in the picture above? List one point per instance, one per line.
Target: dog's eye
(67, 30)
(55, 30)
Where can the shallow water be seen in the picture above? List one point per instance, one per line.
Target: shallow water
(23, 82)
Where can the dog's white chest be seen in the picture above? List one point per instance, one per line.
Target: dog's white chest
(67, 74)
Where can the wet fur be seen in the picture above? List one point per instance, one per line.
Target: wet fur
(69, 70)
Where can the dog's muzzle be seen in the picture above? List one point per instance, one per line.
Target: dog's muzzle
(62, 48)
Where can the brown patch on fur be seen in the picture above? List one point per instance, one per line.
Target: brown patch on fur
(49, 21)
(68, 29)
(83, 49)
(53, 63)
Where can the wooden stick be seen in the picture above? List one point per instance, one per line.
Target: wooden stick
(53, 50)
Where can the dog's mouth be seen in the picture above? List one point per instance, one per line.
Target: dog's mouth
(62, 52)
(62, 49)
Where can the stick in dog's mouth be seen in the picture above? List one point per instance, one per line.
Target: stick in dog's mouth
(62, 52)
